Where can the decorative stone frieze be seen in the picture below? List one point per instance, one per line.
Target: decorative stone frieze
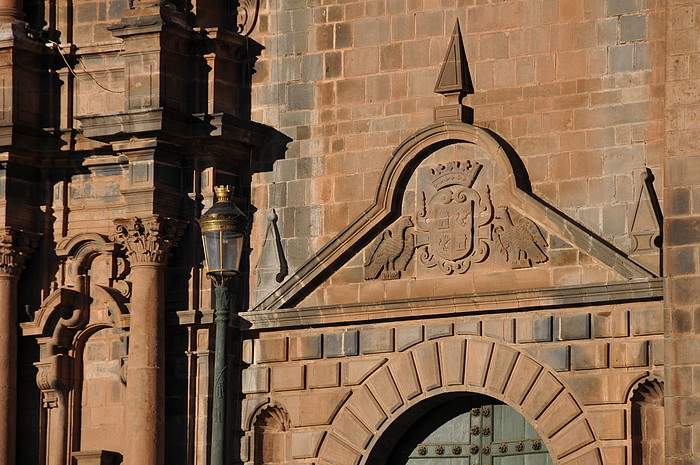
(16, 246)
(148, 240)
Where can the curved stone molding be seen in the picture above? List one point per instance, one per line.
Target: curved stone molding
(453, 365)
(385, 210)
(66, 306)
(247, 16)
(16, 246)
(148, 240)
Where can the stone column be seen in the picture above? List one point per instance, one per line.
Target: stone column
(147, 243)
(10, 11)
(15, 247)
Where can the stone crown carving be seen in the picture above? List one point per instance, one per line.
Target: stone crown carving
(148, 240)
(16, 246)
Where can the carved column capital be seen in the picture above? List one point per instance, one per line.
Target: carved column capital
(148, 240)
(16, 246)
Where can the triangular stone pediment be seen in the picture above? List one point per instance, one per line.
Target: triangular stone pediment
(453, 216)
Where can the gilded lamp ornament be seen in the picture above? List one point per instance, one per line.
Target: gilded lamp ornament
(223, 232)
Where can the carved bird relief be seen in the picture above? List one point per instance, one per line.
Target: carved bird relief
(390, 253)
(521, 244)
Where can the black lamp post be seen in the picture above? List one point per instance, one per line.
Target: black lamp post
(223, 233)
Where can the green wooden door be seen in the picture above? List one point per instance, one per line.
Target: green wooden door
(471, 431)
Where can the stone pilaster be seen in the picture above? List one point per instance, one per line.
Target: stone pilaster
(15, 248)
(681, 234)
(147, 243)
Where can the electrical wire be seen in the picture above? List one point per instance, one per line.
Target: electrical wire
(57, 46)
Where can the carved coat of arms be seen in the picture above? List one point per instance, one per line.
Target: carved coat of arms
(454, 218)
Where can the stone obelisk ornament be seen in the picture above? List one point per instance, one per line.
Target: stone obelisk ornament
(454, 82)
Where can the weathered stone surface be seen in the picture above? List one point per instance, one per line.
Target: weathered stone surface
(335, 451)
(313, 409)
(384, 389)
(305, 444)
(305, 347)
(323, 375)
(341, 344)
(574, 327)
(256, 379)
(543, 392)
(288, 377)
(356, 371)
(427, 362)
(404, 372)
(375, 341)
(571, 438)
(408, 337)
(630, 354)
(647, 322)
(589, 356)
(452, 355)
(469, 327)
(502, 364)
(436, 331)
(478, 358)
(558, 415)
(524, 375)
(609, 424)
(351, 429)
(270, 350)
(366, 408)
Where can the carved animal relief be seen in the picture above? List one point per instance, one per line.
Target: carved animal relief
(521, 243)
(455, 225)
(391, 252)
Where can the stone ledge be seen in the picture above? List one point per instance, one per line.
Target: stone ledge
(502, 302)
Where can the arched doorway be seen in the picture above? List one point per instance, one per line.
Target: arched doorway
(466, 429)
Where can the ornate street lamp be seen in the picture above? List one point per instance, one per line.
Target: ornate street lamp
(223, 233)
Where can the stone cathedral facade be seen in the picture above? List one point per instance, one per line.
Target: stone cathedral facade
(475, 231)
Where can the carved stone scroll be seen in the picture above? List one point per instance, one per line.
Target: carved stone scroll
(247, 16)
(148, 240)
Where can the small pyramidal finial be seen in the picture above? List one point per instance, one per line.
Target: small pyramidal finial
(223, 193)
(454, 81)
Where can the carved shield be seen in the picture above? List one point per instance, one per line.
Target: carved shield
(451, 222)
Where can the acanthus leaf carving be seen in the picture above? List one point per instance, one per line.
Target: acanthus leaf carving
(148, 240)
(16, 246)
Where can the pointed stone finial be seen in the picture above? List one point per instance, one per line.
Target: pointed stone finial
(646, 226)
(455, 82)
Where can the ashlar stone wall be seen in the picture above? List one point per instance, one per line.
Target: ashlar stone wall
(576, 87)
(571, 372)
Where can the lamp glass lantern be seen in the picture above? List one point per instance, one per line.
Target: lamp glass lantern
(223, 232)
